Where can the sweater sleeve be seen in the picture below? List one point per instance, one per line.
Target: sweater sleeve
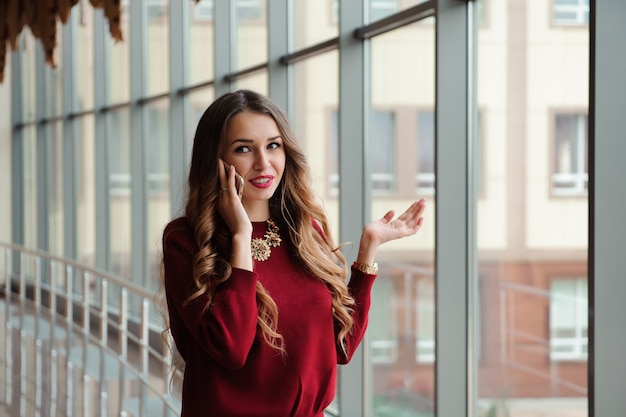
(226, 329)
(360, 287)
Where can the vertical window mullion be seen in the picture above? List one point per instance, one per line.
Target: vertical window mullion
(179, 60)
(454, 207)
(102, 171)
(280, 41)
(224, 46)
(139, 198)
(354, 199)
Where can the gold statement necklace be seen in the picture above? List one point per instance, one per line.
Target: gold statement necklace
(262, 247)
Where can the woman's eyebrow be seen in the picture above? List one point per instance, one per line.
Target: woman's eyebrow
(243, 140)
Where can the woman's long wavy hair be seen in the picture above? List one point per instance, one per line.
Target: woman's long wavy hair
(293, 206)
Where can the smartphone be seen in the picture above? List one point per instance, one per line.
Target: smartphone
(238, 179)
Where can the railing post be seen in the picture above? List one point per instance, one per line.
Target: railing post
(52, 306)
(85, 331)
(143, 352)
(122, 336)
(104, 291)
(69, 367)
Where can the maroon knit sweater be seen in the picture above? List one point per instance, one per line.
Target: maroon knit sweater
(229, 369)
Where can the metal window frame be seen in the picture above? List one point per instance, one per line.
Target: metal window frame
(607, 197)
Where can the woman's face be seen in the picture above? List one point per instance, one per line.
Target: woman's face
(254, 146)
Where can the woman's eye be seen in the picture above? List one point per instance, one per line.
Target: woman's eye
(242, 149)
(273, 145)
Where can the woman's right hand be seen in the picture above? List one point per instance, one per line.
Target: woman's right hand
(234, 214)
(229, 201)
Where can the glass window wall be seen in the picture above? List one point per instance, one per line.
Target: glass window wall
(532, 176)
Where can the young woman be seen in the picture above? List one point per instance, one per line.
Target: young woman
(258, 303)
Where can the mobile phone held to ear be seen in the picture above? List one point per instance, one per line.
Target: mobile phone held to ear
(239, 182)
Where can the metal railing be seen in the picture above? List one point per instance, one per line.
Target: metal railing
(80, 342)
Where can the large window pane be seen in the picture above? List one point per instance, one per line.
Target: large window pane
(27, 77)
(314, 22)
(403, 345)
(86, 188)
(532, 212)
(54, 188)
(198, 101)
(158, 183)
(118, 135)
(315, 118)
(54, 76)
(84, 59)
(255, 82)
(29, 178)
(251, 33)
(157, 65)
(201, 61)
(119, 61)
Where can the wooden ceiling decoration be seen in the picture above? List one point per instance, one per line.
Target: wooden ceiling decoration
(41, 17)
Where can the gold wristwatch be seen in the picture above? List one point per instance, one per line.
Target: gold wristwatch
(365, 268)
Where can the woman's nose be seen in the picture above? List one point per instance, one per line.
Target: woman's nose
(261, 160)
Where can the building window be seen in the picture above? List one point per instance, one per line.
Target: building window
(118, 125)
(381, 152)
(571, 12)
(568, 319)
(249, 9)
(425, 311)
(570, 162)
(382, 324)
(425, 177)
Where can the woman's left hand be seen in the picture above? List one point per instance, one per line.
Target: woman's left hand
(387, 228)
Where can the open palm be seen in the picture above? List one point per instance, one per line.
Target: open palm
(387, 228)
